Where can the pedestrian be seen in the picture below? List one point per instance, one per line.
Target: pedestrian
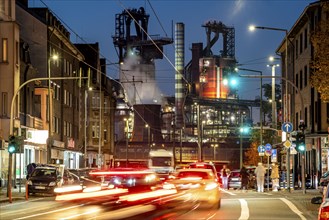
(225, 173)
(244, 178)
(275, 177)
(260, 176)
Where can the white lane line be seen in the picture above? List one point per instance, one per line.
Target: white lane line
(244, 209)
(57, 210)
(228, 192)
(293, 208)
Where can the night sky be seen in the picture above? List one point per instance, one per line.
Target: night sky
(91, 21)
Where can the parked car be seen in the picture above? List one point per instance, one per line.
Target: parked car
(324, 203)
(234, 180)
(195, 184)
(52, 179)
(324, 180)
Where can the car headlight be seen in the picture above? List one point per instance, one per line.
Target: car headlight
(52, 184)
(211, 186)
(150, 178)
(29, 182)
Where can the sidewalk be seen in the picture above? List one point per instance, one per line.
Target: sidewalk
(17, 194)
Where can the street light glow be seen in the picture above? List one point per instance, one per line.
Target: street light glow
(252, 27)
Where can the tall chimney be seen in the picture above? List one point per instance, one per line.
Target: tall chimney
(179, 62)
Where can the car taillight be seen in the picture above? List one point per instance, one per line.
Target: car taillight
(324, 213)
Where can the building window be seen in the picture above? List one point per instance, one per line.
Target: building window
(56, 125)
(305, 116)
(95, 131)
(305, 76)
(296, 48)
(305, 38)
(301, 79)
(105, 135)
(301, 43)
(4, 104)
(4, 52)
(296, 81)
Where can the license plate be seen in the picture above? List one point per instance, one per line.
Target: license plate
(40, 187)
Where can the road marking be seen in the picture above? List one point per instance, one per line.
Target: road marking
(293, 208)
(244, 209)
(228, 192)
(57, 210)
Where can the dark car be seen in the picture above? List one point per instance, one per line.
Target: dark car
(234, 180)
(52, 180)
(85, 177)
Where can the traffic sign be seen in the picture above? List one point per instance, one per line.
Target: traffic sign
(287, 144)
(268, 147)
(268, 153)
(287, 127)
(274, 156)
(261, 149)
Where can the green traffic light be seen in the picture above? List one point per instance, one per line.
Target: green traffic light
(301, 147)
(11, 149)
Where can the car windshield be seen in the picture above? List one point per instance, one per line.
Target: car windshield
(161, 161)
(44, 172)
(193, 174)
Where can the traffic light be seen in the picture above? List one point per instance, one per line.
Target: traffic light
(12, 145)
(300, 142)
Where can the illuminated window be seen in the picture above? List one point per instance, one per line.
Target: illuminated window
(4, 50)
(4, 103)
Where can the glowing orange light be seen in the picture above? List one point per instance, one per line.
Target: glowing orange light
(191, 178)
(147, 195)
(90, 194)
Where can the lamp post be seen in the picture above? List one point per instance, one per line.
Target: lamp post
(148, 136)
(261, 101)
(274, 113)
(214, 146)
(54, 57)
(286, 115)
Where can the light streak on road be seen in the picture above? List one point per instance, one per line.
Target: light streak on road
(90, 194)
(147, 195)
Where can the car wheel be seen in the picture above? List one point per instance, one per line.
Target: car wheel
(219, 204)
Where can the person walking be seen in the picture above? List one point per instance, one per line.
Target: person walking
(275, 177)
(225, 173)
(260, 176)
(244, 178)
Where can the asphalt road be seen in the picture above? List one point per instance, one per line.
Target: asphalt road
(235, 205)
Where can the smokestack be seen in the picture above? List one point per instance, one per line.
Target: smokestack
(179, 62)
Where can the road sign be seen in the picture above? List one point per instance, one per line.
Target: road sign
(274, 158)
(268, 147)
(287, 144)
(268, 153)
(261, 149)
(287, 127)
(293, 150)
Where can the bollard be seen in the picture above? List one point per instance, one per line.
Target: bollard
(26, 191)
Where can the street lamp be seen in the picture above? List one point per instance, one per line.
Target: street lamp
(148, 135)
(53, 57)
(261, 100)
(285, 98)
(274, 120)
